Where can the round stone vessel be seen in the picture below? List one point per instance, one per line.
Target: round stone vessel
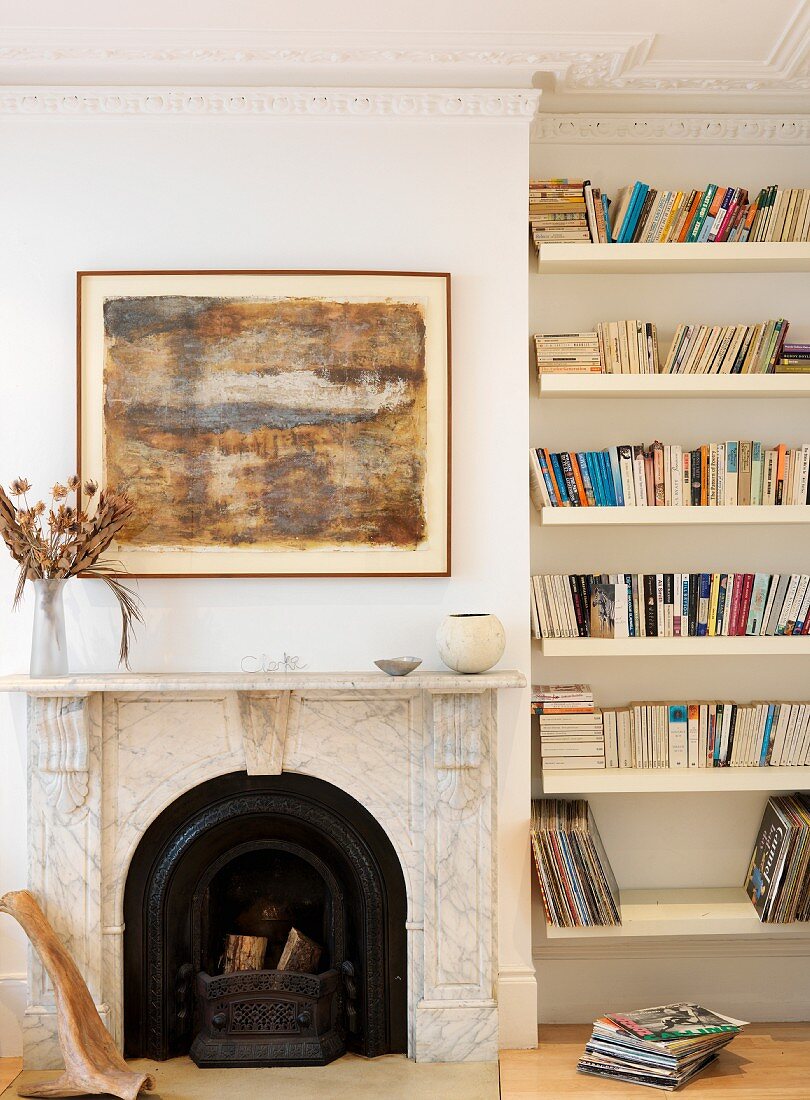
(471, 641)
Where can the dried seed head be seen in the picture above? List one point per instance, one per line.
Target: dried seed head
(19, 486)
(73, 483)
(59, 492)
(90, 488)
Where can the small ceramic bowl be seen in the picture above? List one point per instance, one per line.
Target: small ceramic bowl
(399, 666)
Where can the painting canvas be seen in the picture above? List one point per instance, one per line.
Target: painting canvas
(270, 423)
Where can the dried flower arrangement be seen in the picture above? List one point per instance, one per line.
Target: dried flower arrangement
(70, 541)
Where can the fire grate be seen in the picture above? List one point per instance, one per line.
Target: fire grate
(268, 1018)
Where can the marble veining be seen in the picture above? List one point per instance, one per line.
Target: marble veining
(108, 754)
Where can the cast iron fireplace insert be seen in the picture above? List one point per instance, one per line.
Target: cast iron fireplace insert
(257, 855)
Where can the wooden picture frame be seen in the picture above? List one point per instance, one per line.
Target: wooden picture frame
(270, 423)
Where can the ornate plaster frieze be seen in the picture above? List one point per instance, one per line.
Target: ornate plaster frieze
(671, 129)
(441, 104)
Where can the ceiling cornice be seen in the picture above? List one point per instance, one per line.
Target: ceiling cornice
(391, 103)
(579, 63)
(670, 129)
(314, 48)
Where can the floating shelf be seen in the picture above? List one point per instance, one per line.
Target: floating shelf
(703, 912)
(658, 517)
(675, 647)
(670, 780)
(725, 386)
(671, 259)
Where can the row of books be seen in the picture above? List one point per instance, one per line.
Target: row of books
(662, 1047)
(579, 889)
(628, 347)
(716, 214)
(678, 735)
(727, 349)
(565, 209)
(778, 879)
(576, 880)
(670, 605)
(736, 473)
(631, 347)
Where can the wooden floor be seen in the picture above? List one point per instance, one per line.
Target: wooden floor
(766, 1062)
(9, 1068)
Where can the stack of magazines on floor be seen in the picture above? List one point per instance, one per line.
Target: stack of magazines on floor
(778, 879)
(662, 1047)
(576, 879)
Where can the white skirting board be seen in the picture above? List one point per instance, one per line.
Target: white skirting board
(13, 996)
(517, 999)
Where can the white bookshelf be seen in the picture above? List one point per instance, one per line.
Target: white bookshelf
(671, 259)
(587, 781)
(685, 912)
(657, 386)
(676, 517)
(693, 912)
(675, 647)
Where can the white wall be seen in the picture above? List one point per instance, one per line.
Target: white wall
(242, 193)
(671, 840)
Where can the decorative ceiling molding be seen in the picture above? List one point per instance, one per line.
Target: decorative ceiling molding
(579, 63)
(786, 69)
(404, 103)
(671, 129)
(582, 62)
(609, 54)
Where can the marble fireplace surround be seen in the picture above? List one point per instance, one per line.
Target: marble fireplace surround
(106, 754)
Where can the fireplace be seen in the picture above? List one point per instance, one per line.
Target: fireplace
(167, 811)
(259, 855)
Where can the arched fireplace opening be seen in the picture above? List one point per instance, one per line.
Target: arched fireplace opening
(259, 856)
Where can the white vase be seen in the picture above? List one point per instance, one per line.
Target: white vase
(471, 642)
(48, 643)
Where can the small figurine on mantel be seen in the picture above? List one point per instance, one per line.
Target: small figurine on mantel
(52, 543)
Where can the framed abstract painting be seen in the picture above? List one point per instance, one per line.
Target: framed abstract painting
(270, 423)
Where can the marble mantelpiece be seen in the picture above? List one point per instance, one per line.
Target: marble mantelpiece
(108, 753)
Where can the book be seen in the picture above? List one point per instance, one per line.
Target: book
(577, 884)
(778, 880)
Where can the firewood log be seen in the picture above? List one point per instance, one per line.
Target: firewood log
(300, 953)
(244, 953)
(93, 1066)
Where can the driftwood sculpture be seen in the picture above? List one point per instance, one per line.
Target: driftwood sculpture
(93, 1066)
